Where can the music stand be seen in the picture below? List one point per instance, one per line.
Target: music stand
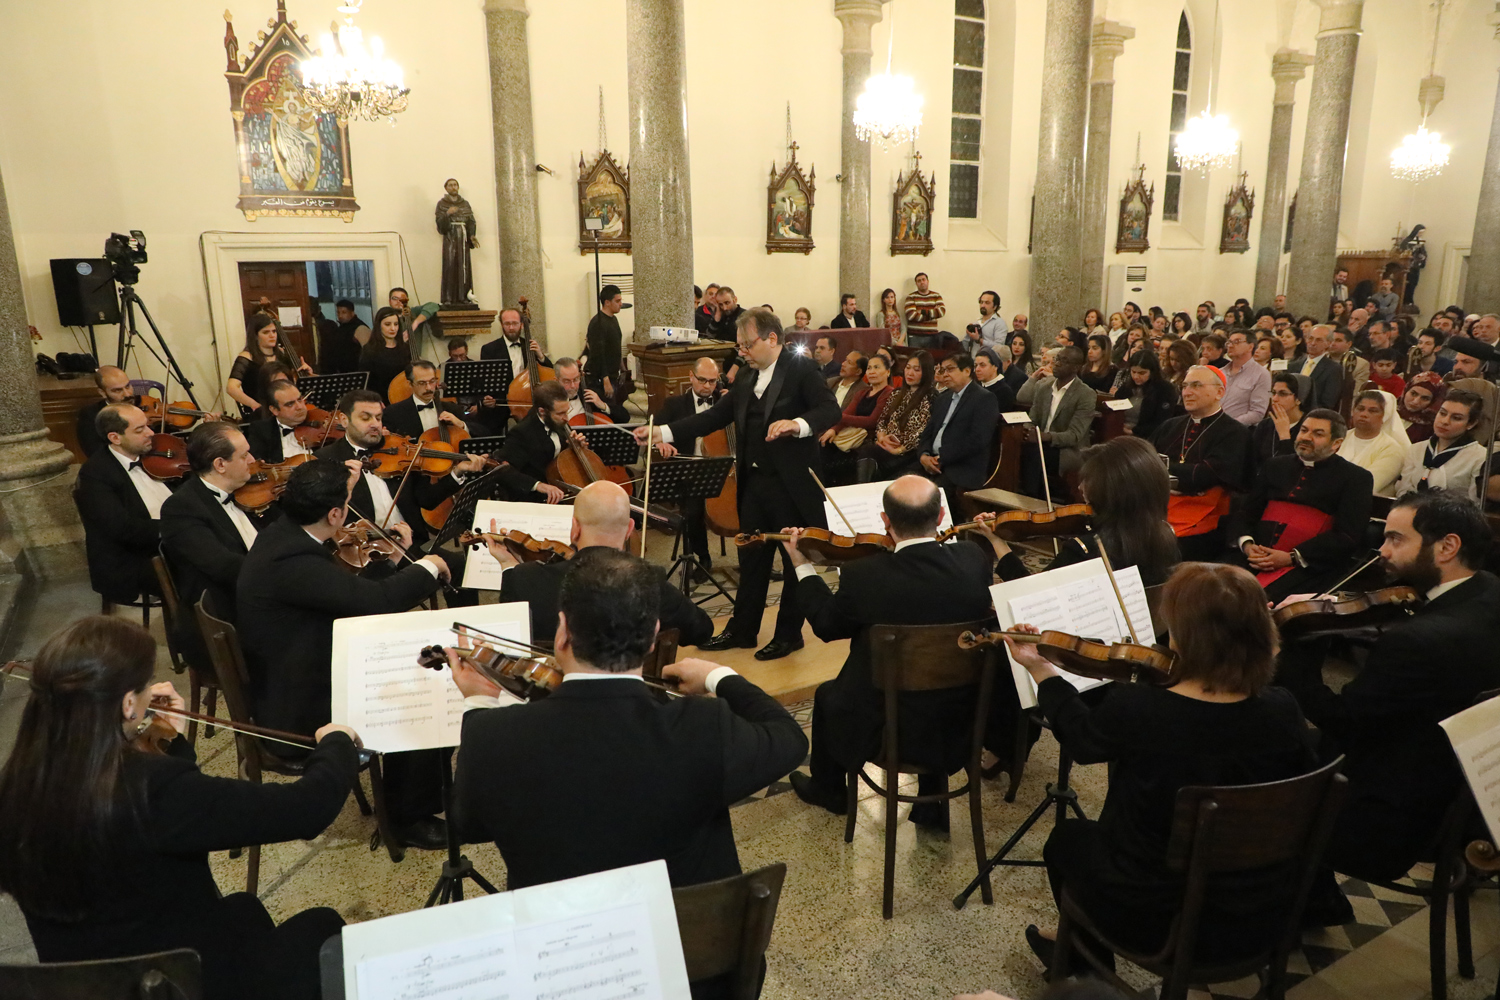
(461, 516)
(325, 391)
(482, 445)
(679, 479)
(614, 444)
(457, 867)
(490, 377)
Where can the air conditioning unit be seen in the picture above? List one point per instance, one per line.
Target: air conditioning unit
(1124, 283)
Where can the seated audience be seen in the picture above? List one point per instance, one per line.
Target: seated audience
(1211, 350)
(1322, 376)
(1128, 344)
(1177, 357)
(1098, 370)
(1450, 459)
(1247, 390)
(1426, 356)
(1420, 404)
(955, 448)
(120, 505)
(1061, 407)
(1377, 442)
(862, 410)
(849, 316)
(1276, 434)
(1291, 342)
(987, 372)
(898, 432)
(1472, 359)
(1205, 451)
(801, 320)
(1152, 398)
(825, 352)
(114, 387)
(1021, 363)
(1383, 372)
(1341, 349)
(1267, 349)
(850, 377)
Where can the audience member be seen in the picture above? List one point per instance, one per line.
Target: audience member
(1386, 300)
(1472, 359)
(725, 325)
(1020, 363)
(923, 307)
(955, 448)
(850, 376)
(898, 432)
(1450, 459)
(1322, 379)
(1152, 398)
(1427, 356)
(706, 315)
(849, 315)
(889, 317)
(1098, 371)
(1247, 383)
(1061, 407)
(825, 352)
(989, 331)
(1276, 434)
(1377, 442)
(1205, 451)
(987, 372)
(1211, 350)
(1420, 404)
(801, 320)
(1383, 371)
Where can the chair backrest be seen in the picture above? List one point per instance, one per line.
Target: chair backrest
(166, 975)
(171, 604)
(664, 652)
(228, 658)
(923, 657)
(725, 926)
(143, 387)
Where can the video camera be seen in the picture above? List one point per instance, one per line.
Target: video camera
(125, 254)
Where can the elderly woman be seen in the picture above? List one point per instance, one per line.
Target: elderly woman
(1376, 441)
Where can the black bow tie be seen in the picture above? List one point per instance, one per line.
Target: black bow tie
(425, 406)
(226, 499)
(288, 430)
(137, 464)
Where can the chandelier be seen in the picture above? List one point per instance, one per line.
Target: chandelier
(1208, 142)
(349, 81)
(1419, 156)
(890, 109)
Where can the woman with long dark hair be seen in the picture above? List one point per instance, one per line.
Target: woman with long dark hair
(889, 316)
(898, 433)
(1098, 370)
(1152, 397)
(1021, 362)
(263, 346)
(105, 846)
(387, 354)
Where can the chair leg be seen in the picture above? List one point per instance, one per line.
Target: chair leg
(146, 611)
(1437, 932)
(976, 821)
(852, 801)
(359, 797)
(195, 694)
(1062, 948)
(213, 704)
(252, 873)
(890, 843)
(1464, 941)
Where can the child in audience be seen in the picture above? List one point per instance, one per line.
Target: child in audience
(1383, 372)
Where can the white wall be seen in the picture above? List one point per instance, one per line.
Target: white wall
(115, 117)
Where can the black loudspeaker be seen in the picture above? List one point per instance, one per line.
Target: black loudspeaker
(85, 291)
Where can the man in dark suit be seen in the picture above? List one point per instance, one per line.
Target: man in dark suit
(114, 387)
(532, 445)
(512, 345)
(825, 352)
(204, 535)
(849, 317)
(663, 772)
(582, 399)
(1322, 375)
(920, 583)
(423, 410)
(955, 448)
(120, 506)
(601, 517)
(275, 440)
(778, 407)
(289, 593)
(703, 392)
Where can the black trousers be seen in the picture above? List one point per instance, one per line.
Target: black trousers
(413, 784)
(285, 961)
(1032, 482)
(765, 505)
(695, 531)
(1207, 547)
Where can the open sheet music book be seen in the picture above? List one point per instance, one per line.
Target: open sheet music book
(551, 521)
(596, 937)
(861, 505)
(1076, 599)
(380, 691)
(1475, 735)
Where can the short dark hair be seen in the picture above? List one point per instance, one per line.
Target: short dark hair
(547, 395)
(608, 292)
(833, 345)
(313, 489)
(860, 360)
(419, 363)
(1436, 514)
(398, 288)
(210, 442)
(697, 292)
(1472, 400)
(274, 388)
(996, 297)
(1437, 336)
(1336, 425)
(612, 603)
(353, 396)
(1288, 379)
(344, 304)
(1221, 627)
(1214, 340)
(1386, 354)
(962, 360)
(766, 322)
(920, 274)
(457, 342)
(845, 298)
(111, 419)
(913, 520)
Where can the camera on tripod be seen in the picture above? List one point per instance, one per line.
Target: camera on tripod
(125, 254)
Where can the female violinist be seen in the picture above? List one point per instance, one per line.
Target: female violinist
(1220, 724)
(263, 346)
(105, 845)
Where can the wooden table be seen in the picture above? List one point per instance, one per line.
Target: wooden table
(665, 367)
(61, 401)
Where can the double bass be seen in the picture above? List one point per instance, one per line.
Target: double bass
(518, 396)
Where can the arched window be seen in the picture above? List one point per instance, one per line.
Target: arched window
(1182, 75)
(967, 138)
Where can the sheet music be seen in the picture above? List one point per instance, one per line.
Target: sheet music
(477, 968)
(1475, 735)
(553, 522)
(381, 693)
(861, 504)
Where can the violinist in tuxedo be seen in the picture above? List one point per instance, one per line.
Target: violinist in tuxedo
(275, 440)
(422, 411)
(114, 387)
(582, 400)
(703, 392)
(778, 407)
(532, 445)
(120, 506)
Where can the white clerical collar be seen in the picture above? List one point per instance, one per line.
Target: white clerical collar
(913, 541)
(991, 381)
(1443, 588)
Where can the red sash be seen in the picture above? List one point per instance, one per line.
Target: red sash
(1197, 515)
(1298, 523)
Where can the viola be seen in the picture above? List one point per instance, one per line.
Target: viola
(443, 437)
(1332, 614)
(318, 430)
(1109, 661)
(526, 677)
(822, 545)
(358, 545)
(267, 480)
(1018, 525)
(167, 458)
(722, 513)
(520, 544)
(181, 414)
(518, 396)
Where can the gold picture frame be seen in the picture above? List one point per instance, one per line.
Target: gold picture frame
(789, 207)
(603, 195)
(1239, 208)
(912, 211)
(1133, 234)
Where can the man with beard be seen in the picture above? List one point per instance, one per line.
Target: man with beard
(532, 445)
(508, 345)
(703, 392)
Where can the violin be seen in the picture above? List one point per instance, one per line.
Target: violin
(526, 677)
(1018, 525)
(520, 544)
(397, 453)
(167, 458)
(358, 545)
(822, 545)
(267, 480)
(1108, 661)
(318, 429)
(443, 437)
(1332, 614)
(181, 414)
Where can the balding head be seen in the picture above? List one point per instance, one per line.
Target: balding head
(113, 383)
(913, 507)
(1316, 340)
(601, 516)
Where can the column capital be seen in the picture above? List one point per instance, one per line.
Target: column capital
(1287, 68)
(1339, 17)
(505, 6)
(1108, 43)
(858, 17)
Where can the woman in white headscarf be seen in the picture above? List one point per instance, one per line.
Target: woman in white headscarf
(1376, 440)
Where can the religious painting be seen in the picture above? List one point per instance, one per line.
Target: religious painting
(603, 200)
(911, 215)
(1291, 217)
(1234, 237)
(294, 160)
(789, 208)
(1135, 215)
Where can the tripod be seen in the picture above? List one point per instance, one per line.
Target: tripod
(450, 884)
(129, 334)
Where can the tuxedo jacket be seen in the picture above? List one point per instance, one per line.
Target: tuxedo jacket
(680, 407)
(628, 779)
(965, 454)
(120, 536)
(264, 438)
(289, 591)
(89, 440)
(797, 389)
(402, 418)
(419, 494)
(538, 584)
(527, 452)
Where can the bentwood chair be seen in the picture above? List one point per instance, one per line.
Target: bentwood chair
(725, 928)
(663, 653)
(107, 602)
(166, 975)
(200, 674)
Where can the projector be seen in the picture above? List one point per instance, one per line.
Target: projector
(674, 334)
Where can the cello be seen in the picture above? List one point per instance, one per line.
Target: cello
(518, 396)
(722, 513)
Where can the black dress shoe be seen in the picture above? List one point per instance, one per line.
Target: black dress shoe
(930, 816)
(1042, 948)
(777, 648)
(726, 640)
(430, 834)
(815, 795)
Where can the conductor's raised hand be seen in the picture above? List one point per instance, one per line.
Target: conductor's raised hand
(691, 674)
(794, 536)
(783, 428)
(469, 681)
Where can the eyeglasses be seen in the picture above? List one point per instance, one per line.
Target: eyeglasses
(1283, 394)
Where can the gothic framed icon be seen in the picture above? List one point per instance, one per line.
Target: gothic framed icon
(604, 201)
(911, 211)
(1239, 205)
(789, 207)
(1291, 219)
(1135, 215)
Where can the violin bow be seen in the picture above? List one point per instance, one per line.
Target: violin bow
(467, 631)
(401, 485)
(834, 504)
(1334, 589)
(646, 494)
(328, 426)
(1041, 455)
(1114, 584)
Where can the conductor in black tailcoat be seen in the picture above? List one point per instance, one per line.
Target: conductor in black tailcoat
(778, 406)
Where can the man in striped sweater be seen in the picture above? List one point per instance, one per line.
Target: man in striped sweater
(924, 308)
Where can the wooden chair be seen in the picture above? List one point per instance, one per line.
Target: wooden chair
(199, 675)
(726, 927)
(107, 604)
(165, 975)
(664, 652)
(1219, 831)
(223, 643)
(924, 658)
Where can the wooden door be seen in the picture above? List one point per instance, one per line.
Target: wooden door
(284, 283)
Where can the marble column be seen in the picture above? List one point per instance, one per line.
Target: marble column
(1481, 292)
(520, 229)
(1109, 40)
(857, 17)
(1320, 188)
(1057, 255)
(40, 534)
(661, 208)
(1286, 69)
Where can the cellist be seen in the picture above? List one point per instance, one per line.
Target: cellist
(534, 443)
(585, 401)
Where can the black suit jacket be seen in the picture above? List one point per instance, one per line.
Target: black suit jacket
(965, 455)
(841, 322)
(204, 550)
(1005, 397)
(539, 583)
(264, 437)
(660, 775)
(527, 452)
(420, 493)
(290, 591)
(119, 533)
(89, 440)
(1323, 387)
(1216, 457)
(797, 389)
(924, 584)
(401, 418)
(680, 407)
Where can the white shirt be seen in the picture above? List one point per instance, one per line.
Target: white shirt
(1382, 455)
(289, 444)
(152, 492)
(841, 392)
(517, 354)
(380, 496)
(1461, 472)
(427, 413)
(241, 521)
(699, 405)
(762, 381)
(1443, 588)
(1058, 391)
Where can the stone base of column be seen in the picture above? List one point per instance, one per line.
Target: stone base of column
(40, 534)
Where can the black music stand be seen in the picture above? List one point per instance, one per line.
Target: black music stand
(461, 516)
(482, 445)
(490, 377)
(677, 479)
(325, 391)
(613, 443)
(450, 884)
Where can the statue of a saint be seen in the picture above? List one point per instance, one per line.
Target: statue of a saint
(455, 223)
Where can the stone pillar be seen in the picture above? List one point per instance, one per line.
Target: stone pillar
(1320, 188)
(661, 208)
(1056, 234)
(40, 534)
(1108, 43)
(520, 229)
(1482, 288)
(1286, 69)
(857, 17)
